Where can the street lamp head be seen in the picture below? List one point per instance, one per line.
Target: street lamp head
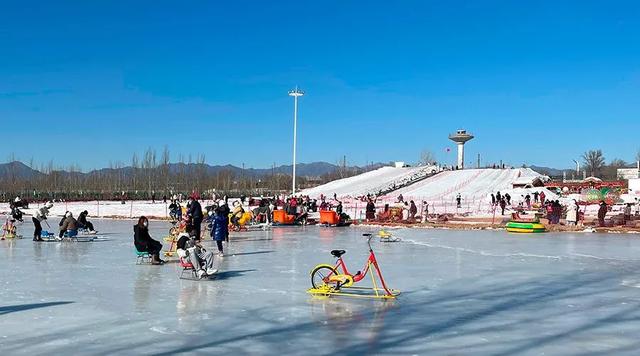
(296, 92)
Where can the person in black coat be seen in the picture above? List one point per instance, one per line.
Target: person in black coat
(84, 223)
(144, 243)
(371, 210)
(195, 215)
(602, 213)
(503, 205)
(225, 211)
(175, 211)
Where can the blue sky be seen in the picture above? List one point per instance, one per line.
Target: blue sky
(89, 82)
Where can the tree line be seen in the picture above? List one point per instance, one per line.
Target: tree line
(152, 175)
(594, 164)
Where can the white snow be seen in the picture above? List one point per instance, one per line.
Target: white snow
(131, 209)
(476, 184)
(440, 190)
(370, 182)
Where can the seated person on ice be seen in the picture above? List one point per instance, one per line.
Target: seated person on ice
(69, 226)
(64, 217)
(236, 214)
(175, 211)
(8, 229)
(385, 214)
(262, 213)
(144, 243)
(16, 213)
(83, 223)
(304, 213)
(341, 215)
(189, 248)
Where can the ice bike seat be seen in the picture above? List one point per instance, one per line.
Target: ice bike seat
(338, 253)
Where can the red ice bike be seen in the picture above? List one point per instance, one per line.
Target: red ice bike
(335, 279)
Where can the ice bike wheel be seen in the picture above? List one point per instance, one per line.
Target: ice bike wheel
(320, 276)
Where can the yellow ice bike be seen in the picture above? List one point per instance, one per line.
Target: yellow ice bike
(328, 280)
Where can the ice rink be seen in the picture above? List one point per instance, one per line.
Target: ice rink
(463, 292)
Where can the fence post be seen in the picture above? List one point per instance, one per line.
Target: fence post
(131, 212)
(98, 212)
(493, 221)
(355, 213)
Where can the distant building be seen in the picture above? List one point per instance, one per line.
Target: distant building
(528, 182)
(628, 173)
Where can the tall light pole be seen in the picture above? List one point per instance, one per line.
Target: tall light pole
(295, 94)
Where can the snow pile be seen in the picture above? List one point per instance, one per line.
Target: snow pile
(380, 180)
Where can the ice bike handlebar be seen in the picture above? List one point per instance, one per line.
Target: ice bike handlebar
(369, 237)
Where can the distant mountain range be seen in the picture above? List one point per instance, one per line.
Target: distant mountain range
(20, 170)
(551, 172)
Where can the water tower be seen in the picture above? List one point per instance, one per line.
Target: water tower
(460, 138)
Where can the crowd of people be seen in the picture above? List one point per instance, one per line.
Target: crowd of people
(400, 210)
(189, 242)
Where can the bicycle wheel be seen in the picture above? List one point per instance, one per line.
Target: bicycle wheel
(320, 275)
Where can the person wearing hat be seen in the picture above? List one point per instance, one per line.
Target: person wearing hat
(69, 227)
(40, 215)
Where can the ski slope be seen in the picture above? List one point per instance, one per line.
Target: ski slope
(371, 182)
(468, 183)
(439, 191)
(474, 186)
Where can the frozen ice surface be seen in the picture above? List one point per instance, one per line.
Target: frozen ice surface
(464, 292)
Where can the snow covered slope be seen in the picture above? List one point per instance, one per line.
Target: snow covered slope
(440, 190)
(469, 183)
(474, 186)
(372, 182)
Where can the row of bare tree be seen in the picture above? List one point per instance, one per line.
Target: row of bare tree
(147, 176)
(595, 164)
